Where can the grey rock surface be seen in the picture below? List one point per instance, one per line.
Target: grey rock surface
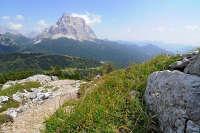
(69, 26)
(180, 65)
(175, 98)
(31, 117)
(30, 95)
(187, 59)
(3, 99)
(35, 95)
(42, 79)
(12, 112)
(194, 66)
(18, 96)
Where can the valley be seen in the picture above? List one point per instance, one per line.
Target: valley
(99, 66)
(39, 62)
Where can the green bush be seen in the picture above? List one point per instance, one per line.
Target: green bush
(107, 68)
(74, 73)
(4, 77)
(108, 106)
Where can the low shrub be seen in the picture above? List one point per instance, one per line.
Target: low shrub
(4, 77)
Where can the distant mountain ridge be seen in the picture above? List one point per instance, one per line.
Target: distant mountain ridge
(7, 44)
(119, 54)
(72, 36)
(100, 50)
(172, 47)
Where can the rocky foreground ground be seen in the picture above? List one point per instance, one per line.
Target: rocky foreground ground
(39, 104)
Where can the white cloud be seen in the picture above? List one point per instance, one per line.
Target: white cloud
(42, 24)
(130, 30)
(19, 17)
(5, 17)
(15, 26)
(90, 19)
(192, 27)
(160, 29)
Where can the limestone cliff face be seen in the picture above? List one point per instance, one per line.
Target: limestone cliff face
(70, 27)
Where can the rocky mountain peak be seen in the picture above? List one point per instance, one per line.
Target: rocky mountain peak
(70, 27)
(67, 19)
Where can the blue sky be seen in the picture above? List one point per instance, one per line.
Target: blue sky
(155, 20)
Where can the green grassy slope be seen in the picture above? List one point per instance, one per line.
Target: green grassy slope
(108, 105)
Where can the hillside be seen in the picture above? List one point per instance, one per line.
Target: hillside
(7, 49)
(111, 104)
(22, 62)
(101, 50)
(18, 39)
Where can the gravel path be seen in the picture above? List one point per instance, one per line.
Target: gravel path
(32, 120)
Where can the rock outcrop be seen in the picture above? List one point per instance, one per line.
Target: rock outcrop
(51, 87)
(42, 79)
(187, 60)
(28, 99)
(180, 65)
(33, 96)
(175, 98)
(174, 95)
(194, 66)
(3, 99)
(30, 118)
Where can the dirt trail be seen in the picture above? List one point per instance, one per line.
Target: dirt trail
(32, 120)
